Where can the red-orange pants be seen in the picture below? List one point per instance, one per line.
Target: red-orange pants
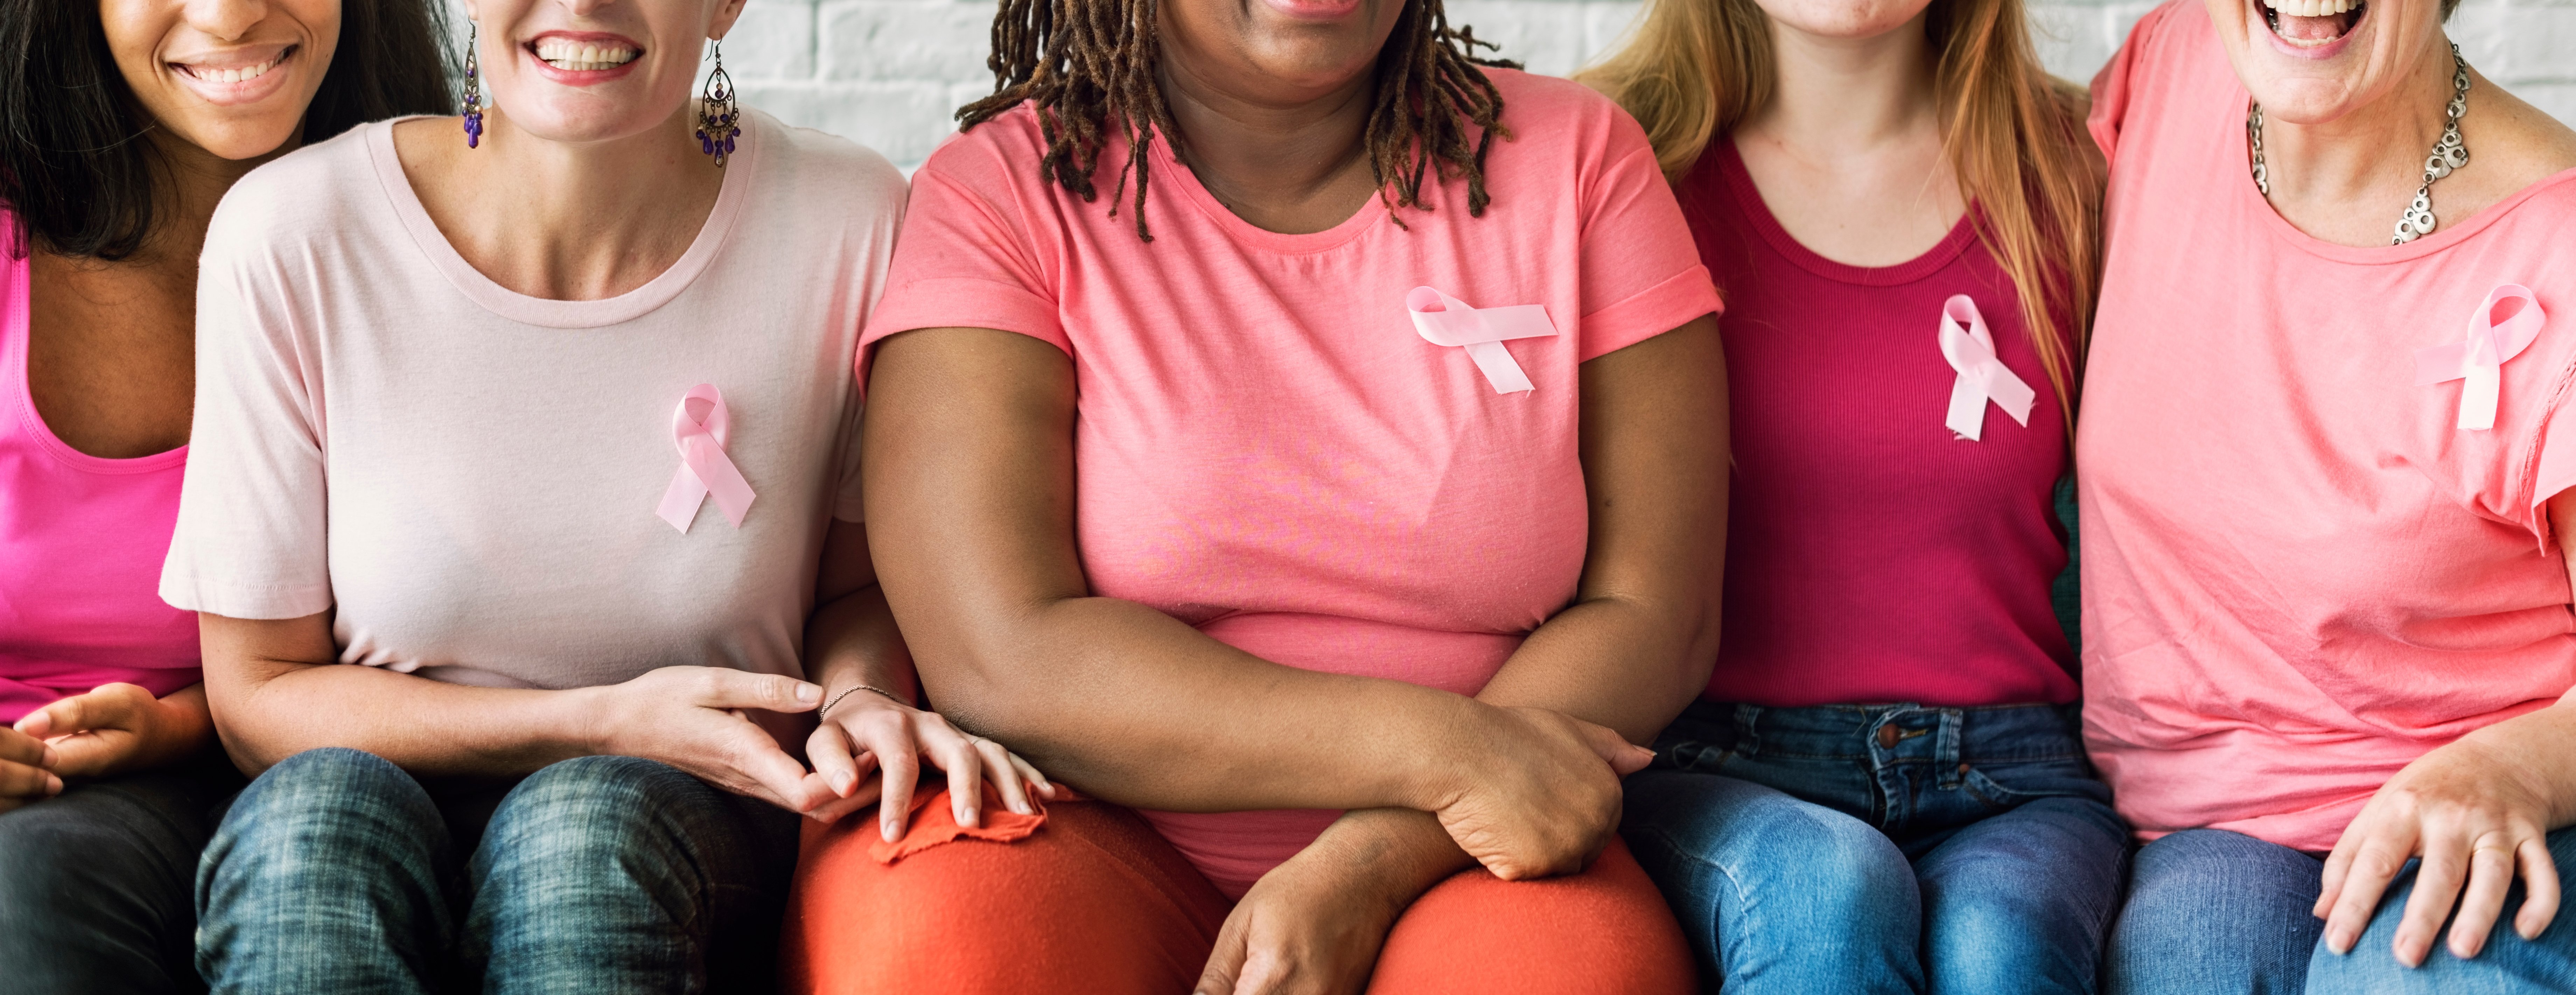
(1096, 901)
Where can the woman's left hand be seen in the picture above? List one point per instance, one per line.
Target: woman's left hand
(869, 748)
(120, 727)
(2478, 813)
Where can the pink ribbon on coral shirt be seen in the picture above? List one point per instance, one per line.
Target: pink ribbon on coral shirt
(1982, 377)
(2502, 327)
(704, 470)
(1445, 320)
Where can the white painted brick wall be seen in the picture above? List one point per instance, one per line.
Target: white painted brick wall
(890, 73)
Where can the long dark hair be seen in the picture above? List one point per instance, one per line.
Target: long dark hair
(1089, 65)
(76, 164)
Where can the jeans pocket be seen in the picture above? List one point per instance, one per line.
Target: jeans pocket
(2007, 785)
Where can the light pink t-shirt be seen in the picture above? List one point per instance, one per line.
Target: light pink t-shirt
(2299, 575)
(1266, 448)
(469, 477)
(81, 540)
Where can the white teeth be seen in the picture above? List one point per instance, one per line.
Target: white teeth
(2312, 8)
(583, 56)
(240, 75)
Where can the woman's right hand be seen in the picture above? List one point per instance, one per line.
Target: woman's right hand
(692, 718)
(1536, 791)
(23, 777)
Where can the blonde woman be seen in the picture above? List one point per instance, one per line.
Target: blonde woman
(1882, 788)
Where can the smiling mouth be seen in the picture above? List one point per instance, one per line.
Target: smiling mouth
(235, 74)
(2313, 23)
(581, 56)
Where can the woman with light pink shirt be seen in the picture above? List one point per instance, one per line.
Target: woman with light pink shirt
(2325, 469)
(523, 529)
(125, 122)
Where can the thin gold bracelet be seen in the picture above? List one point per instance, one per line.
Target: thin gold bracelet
(846, 692)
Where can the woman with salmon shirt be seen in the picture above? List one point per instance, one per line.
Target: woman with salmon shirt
(523, 495)
(126, 121)
(2327, 512)
(1883, 788)
(1342, 495)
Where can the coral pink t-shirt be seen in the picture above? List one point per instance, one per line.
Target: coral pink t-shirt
(81, 541)
(2299, 574)
(1873, 555)
(1266, 448)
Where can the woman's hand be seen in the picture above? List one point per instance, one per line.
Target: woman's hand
(870, 747)
(1315, 924)
(692, 718)
(2478, 814)
(120, 727)
(23, 775)
(1537, 791)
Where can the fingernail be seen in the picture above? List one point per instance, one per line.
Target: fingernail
(53, 785)
(891, 832)
(808, 693)
(967, 818)
(844, 781)
(2339, 941)
(1020, 807)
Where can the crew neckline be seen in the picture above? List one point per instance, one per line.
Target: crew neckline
(2444, 237)
(19, 329)
(1169, 169)
(507, 303)
(1739, 183)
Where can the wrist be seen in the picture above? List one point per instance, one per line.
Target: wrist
(591, 722)
(1434, 747)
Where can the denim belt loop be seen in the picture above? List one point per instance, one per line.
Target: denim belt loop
(1748, 742)
(1945, 749)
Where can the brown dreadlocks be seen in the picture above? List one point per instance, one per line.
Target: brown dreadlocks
(1085, 63)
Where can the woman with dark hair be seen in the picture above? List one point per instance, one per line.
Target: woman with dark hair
(125, 122)
(1341, 500)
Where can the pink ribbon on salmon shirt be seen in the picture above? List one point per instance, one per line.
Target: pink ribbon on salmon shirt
(1445, 320)
(701, 427)
(1982, 377)
(2503, 326)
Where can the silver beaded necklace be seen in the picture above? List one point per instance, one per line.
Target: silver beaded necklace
(2448, 154)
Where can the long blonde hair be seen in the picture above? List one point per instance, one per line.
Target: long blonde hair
(2014, 136)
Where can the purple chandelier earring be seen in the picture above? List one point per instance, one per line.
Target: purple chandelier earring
(719, 119)
(473, 91)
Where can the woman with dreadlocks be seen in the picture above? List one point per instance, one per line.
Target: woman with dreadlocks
(1309, 439)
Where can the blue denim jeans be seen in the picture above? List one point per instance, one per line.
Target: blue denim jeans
(94, 882)
(1881, 848)
(2218, 913)
(335, 871)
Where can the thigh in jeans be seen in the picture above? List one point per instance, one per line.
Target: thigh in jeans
(2020, 901)
(1773, 893)
(2212, 912)
(618, 874)
(94, 883)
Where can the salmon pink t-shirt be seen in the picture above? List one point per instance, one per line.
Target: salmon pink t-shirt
(1266, 448)
(2299, 574)
(81, 541)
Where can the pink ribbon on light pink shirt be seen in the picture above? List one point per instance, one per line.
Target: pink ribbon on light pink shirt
(1982, 377)
(2503, 326)
(1445, 320)
(704, 470)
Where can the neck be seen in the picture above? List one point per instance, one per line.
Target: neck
(564, 220)
(1291, 162)
(1832, 96)
(195, 181)
(2359, 170)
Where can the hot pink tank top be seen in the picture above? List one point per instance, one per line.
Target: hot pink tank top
(81, 543)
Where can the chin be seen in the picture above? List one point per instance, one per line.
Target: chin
(243, 139)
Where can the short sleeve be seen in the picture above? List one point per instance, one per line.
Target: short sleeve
(1642, 275)
(964, 261)
(250, 540)
(2113, 86)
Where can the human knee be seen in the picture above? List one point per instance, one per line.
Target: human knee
(330, 802)
(1736, 841)
(578, 809)
(1605, 930)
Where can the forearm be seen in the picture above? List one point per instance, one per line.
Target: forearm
(2540, 748)
(273, 693)
(854, 641)
(1130, 705)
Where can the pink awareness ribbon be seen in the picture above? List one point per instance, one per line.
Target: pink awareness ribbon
(2502, 327)
(1445, 320)
(1982, 377)
(701, 428)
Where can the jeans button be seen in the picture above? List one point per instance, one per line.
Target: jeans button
(1887, 737)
